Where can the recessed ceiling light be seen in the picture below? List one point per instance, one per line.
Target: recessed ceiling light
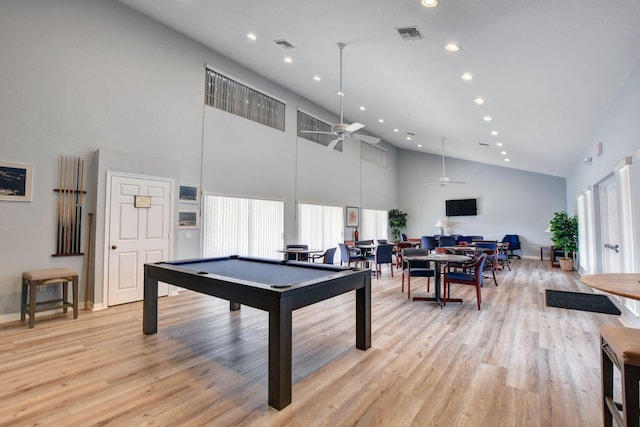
(479, 100)
(504, 153)
(506, 159)
(408, 138)
(251, 36)
(419, 146)
(316, 78)
(452, 47)
(494, 132)
(340, 93)
(429, 3)
(466, 76)
(362, 108)
(288, 60)
(381, 120)
(396, 130)
(499, 144)
(487, 118)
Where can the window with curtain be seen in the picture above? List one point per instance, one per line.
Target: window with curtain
(240, 226)
(374, 224)
(319, 226)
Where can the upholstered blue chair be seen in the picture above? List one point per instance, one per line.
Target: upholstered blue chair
(447, 241)
(327, 256)
(428, 243)
(465, 274)
(514, 244)
(416, 268)
(490, 249)
(348, 256)
(384, 255)
(404, 237)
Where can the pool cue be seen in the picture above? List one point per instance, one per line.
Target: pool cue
(67, 236)
(74, 229)
(59, 234)
(88, 264)
(79, 203)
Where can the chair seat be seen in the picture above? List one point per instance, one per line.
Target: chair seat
(420, 272)
(459, 276)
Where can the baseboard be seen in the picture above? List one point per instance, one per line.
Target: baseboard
(15, 317)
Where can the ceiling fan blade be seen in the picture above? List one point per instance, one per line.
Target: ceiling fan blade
(317, 132)
(333, 143)
(457, 182)
(430, 183)
(353, 127)
(366, 138)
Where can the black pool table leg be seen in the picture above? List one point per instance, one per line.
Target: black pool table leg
(363, 315)
(234, 306)
(279, 354)
(150, 306)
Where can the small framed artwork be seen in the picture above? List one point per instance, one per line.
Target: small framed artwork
(188, 218)
(15, 181)
(188, 194)
(353, 216)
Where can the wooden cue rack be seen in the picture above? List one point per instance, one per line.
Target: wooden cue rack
(69, 208)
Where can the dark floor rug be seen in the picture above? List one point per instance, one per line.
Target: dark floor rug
(580, 301)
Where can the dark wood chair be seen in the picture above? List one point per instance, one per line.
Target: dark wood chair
(416, 268)
(347, 255)
(464, 274)
(327, 256)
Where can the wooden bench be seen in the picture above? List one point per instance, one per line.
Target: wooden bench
(620, 347)
(31, 280)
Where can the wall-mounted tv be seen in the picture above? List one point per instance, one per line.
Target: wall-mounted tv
(461, 207)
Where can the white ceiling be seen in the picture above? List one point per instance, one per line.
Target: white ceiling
(548, 69)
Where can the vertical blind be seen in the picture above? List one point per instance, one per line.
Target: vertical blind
(235, 98)
(319, 226)
(240, 226)
(374, 224)
(309, 123)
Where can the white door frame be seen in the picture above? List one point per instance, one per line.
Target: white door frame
(107, 225)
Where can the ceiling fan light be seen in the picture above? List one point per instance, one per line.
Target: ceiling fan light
(429, 3)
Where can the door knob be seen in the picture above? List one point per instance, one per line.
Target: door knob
(114, 247)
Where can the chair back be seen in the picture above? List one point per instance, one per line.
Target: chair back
(345, 252)
(514, 241)
(382, 241)
(447, 241)
(384, 254)
(465, 239)
(416, 252)
(404, 237)
(428, 242)
(491, 249)
(364, 242)
(329, 255)
(292, 257)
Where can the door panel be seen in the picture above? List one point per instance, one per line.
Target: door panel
(136, 235)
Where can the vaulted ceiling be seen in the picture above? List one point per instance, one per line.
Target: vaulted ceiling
(548, 71)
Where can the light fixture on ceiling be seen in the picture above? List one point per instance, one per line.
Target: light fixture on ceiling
(487, 118)
(429, 3)
(419, 145)
(396, 130)
(452, 47)
(466, 76)
(479, 100)
(506, 159)
(499, 144)
(494, 132)
(408, 138)
(381, 120)
(587, 160)
(316, 78)
(251, 36)
(504, 153)
(363, 108)
(288, 60)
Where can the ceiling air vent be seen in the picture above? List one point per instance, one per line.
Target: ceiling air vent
(285, 44)
(409, 33)
(484, 144)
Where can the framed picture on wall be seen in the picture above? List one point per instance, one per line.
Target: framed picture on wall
(188, 194)
(353, 216)
(188, 218)
(15, 181)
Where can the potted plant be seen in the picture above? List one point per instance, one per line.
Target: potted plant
(397, 222)
(564, 235)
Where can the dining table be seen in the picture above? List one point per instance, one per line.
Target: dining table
(438, 260)
(299, 252)
(622, 284)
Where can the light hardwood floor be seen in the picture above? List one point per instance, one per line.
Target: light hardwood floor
(515, 363)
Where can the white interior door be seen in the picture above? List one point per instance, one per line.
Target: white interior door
(611, 260)
(139, 232)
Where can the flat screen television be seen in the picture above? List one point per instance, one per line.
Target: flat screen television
(461, 207)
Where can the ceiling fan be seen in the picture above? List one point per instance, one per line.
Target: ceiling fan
(444, 179)
(341, 130)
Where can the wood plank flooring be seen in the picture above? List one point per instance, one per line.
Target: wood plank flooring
(514, 363)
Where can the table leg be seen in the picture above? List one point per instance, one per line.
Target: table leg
(363, 315)
(33, 289)
(150, 306)
(279, 354)
(436, 297)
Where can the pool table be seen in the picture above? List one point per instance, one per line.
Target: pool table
(278, 287)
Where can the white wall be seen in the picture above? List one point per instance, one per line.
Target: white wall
(509, 201)
(98, 80)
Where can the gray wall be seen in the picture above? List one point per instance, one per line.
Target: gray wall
(619, 132)
(98, 80)
(509, 201)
